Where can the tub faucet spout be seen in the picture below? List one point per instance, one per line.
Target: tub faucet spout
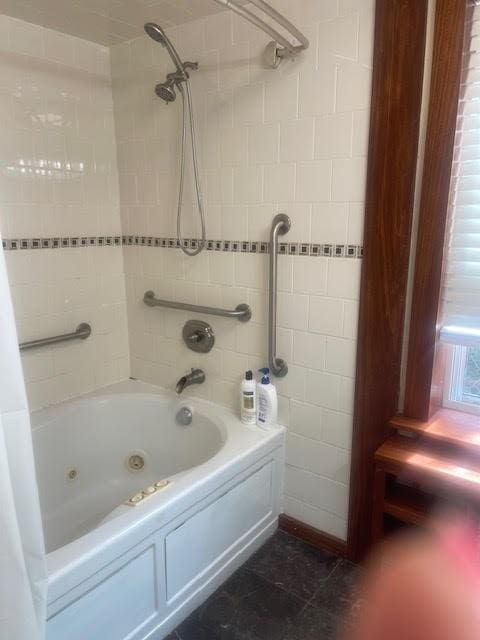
(196, 376)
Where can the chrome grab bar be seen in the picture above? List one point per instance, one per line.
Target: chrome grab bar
(280, 225)
(81, 333)
(241, 312)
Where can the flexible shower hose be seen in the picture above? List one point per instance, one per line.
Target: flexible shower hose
(187, 105)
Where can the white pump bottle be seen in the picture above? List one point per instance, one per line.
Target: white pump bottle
(267, 402)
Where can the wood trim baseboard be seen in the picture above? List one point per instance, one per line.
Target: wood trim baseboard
(315, 537)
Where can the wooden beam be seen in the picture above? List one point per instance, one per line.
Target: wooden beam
(399, 49)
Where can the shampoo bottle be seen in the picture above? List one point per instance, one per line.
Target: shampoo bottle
(267, 403)
(248, 404)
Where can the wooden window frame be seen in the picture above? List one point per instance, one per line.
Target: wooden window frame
(426, 354)
(398, 66)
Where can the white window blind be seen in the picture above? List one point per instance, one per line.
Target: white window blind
(461, 286)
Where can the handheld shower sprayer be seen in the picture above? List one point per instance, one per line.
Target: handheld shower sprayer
(158, 34)
(166, 91)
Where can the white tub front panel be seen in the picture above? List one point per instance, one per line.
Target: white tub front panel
(197, 545)
(124, 604)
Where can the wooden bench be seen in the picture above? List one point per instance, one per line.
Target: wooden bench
(445, 463)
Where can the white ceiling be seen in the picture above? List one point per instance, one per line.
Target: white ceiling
(107, 21)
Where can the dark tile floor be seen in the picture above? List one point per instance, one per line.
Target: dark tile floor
(287, 591)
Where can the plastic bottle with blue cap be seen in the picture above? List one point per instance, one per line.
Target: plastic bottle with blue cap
(267, 402)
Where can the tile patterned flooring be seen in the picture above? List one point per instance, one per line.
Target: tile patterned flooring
(287, 591)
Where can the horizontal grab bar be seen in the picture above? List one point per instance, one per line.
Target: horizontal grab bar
(81, 333)
(241, 312)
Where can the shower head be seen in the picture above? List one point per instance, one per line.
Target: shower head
(166, 91)
(158, 34)
(155, 32)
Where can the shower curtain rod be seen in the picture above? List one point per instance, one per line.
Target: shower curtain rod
(274, 52)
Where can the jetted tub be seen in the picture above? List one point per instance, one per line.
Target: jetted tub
(145, 517)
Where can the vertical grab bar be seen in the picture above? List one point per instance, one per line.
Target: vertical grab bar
(280, 226)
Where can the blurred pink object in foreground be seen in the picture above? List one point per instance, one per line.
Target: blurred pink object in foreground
(425, 587)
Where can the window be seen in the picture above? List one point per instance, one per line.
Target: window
(462, 389)
(460, 308)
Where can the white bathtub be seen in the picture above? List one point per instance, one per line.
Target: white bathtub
(119, 572)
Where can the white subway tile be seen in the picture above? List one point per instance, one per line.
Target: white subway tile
(353, 86)
(296, 140)
(235, 222)
(251, 270)
(343, 278)
(313, 181)
(323, 389)
(351, 6)
(315, 11)
(306, 420)
(218, 30)
(337, 428)
(316, 490)
(279, 182)
(341, 356)
(247, 185)
(356, 215)
(348, 179)
(309, 350)
(317, 457)
(300, 214)
(350, 321)
(333, 136)
(233, 146)
(293, 384)
(325, 315)
(285, 273)
(234, 67)
(317, 518)
(281, 98)
(310, 275)
(292, 311)
(361, 124)
(347, 392)
(263, 143)
(260, 218)
(367, 23)
(316, 92)
(330, 223)
(252, 339)
(248, 104)
(339, 37)
(221, 268)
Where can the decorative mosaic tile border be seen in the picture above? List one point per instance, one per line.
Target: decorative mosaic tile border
(241, 246)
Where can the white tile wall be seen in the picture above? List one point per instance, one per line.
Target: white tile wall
(291, 140)
(58, 177)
